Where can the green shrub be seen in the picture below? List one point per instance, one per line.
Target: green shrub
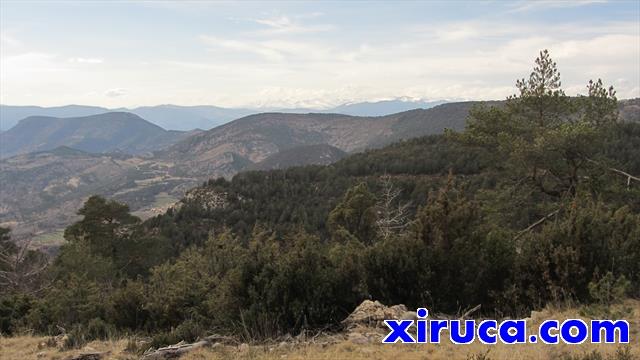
(609, 290)
(76, 338)
(95, 329)
(188, 331)
(98, 329)
(13, 309)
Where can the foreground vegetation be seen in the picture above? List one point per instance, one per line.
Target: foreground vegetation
(533, 204)
(340, 346)
(16, 349)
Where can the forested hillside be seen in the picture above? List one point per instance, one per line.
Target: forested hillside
(321, 154)
(56, 183)
(534, 203)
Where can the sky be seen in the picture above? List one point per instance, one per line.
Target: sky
(306, 54)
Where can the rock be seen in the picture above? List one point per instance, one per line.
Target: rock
(90, 356)
(173, 351)
(244, 347)
(408, 315)
(208, 199)
(358, 338)
(373, 313)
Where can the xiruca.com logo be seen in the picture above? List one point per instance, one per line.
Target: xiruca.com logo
(569, 331)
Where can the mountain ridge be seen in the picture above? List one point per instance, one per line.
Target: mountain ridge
(107, 132)
(183, 118)
(179, 117)
(258, 136)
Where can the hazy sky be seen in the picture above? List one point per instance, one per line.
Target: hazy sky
(314, 54)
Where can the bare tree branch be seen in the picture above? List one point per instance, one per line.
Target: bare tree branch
(21, 269)
(391, 217)
(536, 224)
(617, 171)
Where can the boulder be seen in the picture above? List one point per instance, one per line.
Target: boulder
(373, 313)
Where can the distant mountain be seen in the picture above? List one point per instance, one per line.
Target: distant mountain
(171, 117)
(10, 115)
(175, 117)
(381, 108)
(189, 117)
(321, 154)
(108, 132)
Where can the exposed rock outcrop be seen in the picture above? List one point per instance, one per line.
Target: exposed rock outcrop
(373, 313)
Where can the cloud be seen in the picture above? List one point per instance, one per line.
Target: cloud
(25, 65)
(243, 46)
(117, 92)
(480, 62)
(10, 44)
(284, 24)
(296, 60)
(276, 49)
(529, 5)
(6, 39)
(81, 60)
(281, 22)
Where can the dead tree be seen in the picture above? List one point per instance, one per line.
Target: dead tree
(21, 269)
(392, 216)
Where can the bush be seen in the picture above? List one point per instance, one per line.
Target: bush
(98, 329)
(126, 308)
(95, 329)
(188, 331)
(608, 290)
(13, 309)
(557, 262)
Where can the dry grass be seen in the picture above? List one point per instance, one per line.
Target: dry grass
(29, 347)
(408, 352)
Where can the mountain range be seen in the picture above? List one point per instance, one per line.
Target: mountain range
(184, 118)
